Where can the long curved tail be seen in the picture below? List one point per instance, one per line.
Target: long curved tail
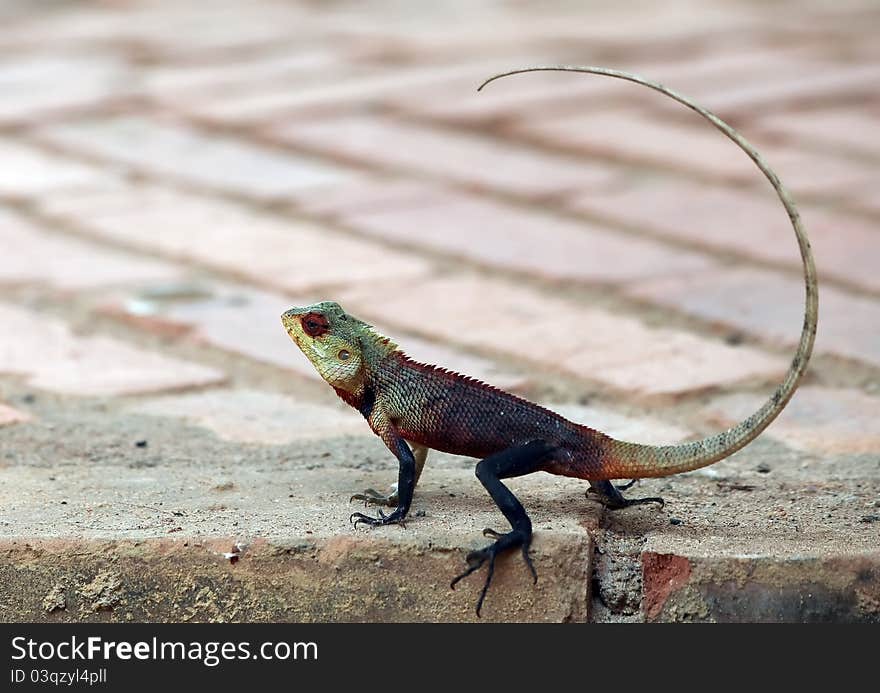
(634, 460)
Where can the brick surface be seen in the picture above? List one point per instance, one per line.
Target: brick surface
(864, 199)
(828, 85)
(770, 306)
(457, 100)
(818, 419)
(69, 263)
(522, 240)
(282, 253)
(531, 98)
(235, 74)
(172, 30)
(632, 136)
(271, 104)
(40, 83)
(474, 160)
(832, 129)
(50, 357)
(238, 319)
(641, 429)
(250, 416)
(173, 151)
(819, 174)
(247, 322)
(27, 171)
(616, 350)
(754, 225)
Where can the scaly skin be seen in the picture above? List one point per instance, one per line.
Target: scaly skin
(414, 407)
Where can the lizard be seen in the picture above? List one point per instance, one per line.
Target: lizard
(413, 407)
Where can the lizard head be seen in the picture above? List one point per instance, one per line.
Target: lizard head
(335, 342)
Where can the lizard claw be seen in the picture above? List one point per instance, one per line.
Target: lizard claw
(476, 559)
(394, 518)
(372, 497)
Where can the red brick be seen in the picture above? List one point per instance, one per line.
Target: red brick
(34, 84)
(816, 85)
(30, 254)
(458, 101)
(172, 151)
(560, 335)
(629, 135)
(250, 416)
(819, 174)
(233, 318)
(534, 96)
(174, 30)
(368, 194)
(750, 223)
(560, 94)
(662, 575)
(236, 74)
(471, 159)
(325, 96)
(864, 198)
(50, 357)
(720, 68)
(500, 235)
(818, 419)
(27, 171)
(285, 254)
(247, 322)
(637, 429)
(770, 305)
(829, 128)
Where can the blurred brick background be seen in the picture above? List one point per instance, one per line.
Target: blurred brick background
(173, 175)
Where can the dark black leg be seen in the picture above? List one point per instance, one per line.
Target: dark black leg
(392, 500)
(406, 485)
(610, 496)
(509, 463)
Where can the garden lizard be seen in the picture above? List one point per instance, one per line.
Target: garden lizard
(414, 407)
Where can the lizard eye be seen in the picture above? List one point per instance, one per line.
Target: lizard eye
(315, 324)
(344, 355)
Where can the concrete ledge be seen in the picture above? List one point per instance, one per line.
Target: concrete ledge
(797, 589)
(344, 578)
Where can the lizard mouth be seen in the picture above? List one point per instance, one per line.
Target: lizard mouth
(290, 321)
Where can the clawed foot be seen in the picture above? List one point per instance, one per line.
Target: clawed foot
(373, 497)
(614, 503)
(618, 503)
(611, 497)
(395, 518)
(476, 559)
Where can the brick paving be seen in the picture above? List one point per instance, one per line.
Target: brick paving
(172, 178)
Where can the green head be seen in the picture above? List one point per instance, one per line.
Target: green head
(339, 346)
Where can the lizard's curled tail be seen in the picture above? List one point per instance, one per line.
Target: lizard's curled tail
(633, 460)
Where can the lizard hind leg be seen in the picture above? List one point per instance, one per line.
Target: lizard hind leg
(516, 461)
(611, 497)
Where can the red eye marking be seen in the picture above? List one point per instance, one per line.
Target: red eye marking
(314, 324)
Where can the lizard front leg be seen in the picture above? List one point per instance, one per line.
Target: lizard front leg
(373, 497)
(406, 476)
